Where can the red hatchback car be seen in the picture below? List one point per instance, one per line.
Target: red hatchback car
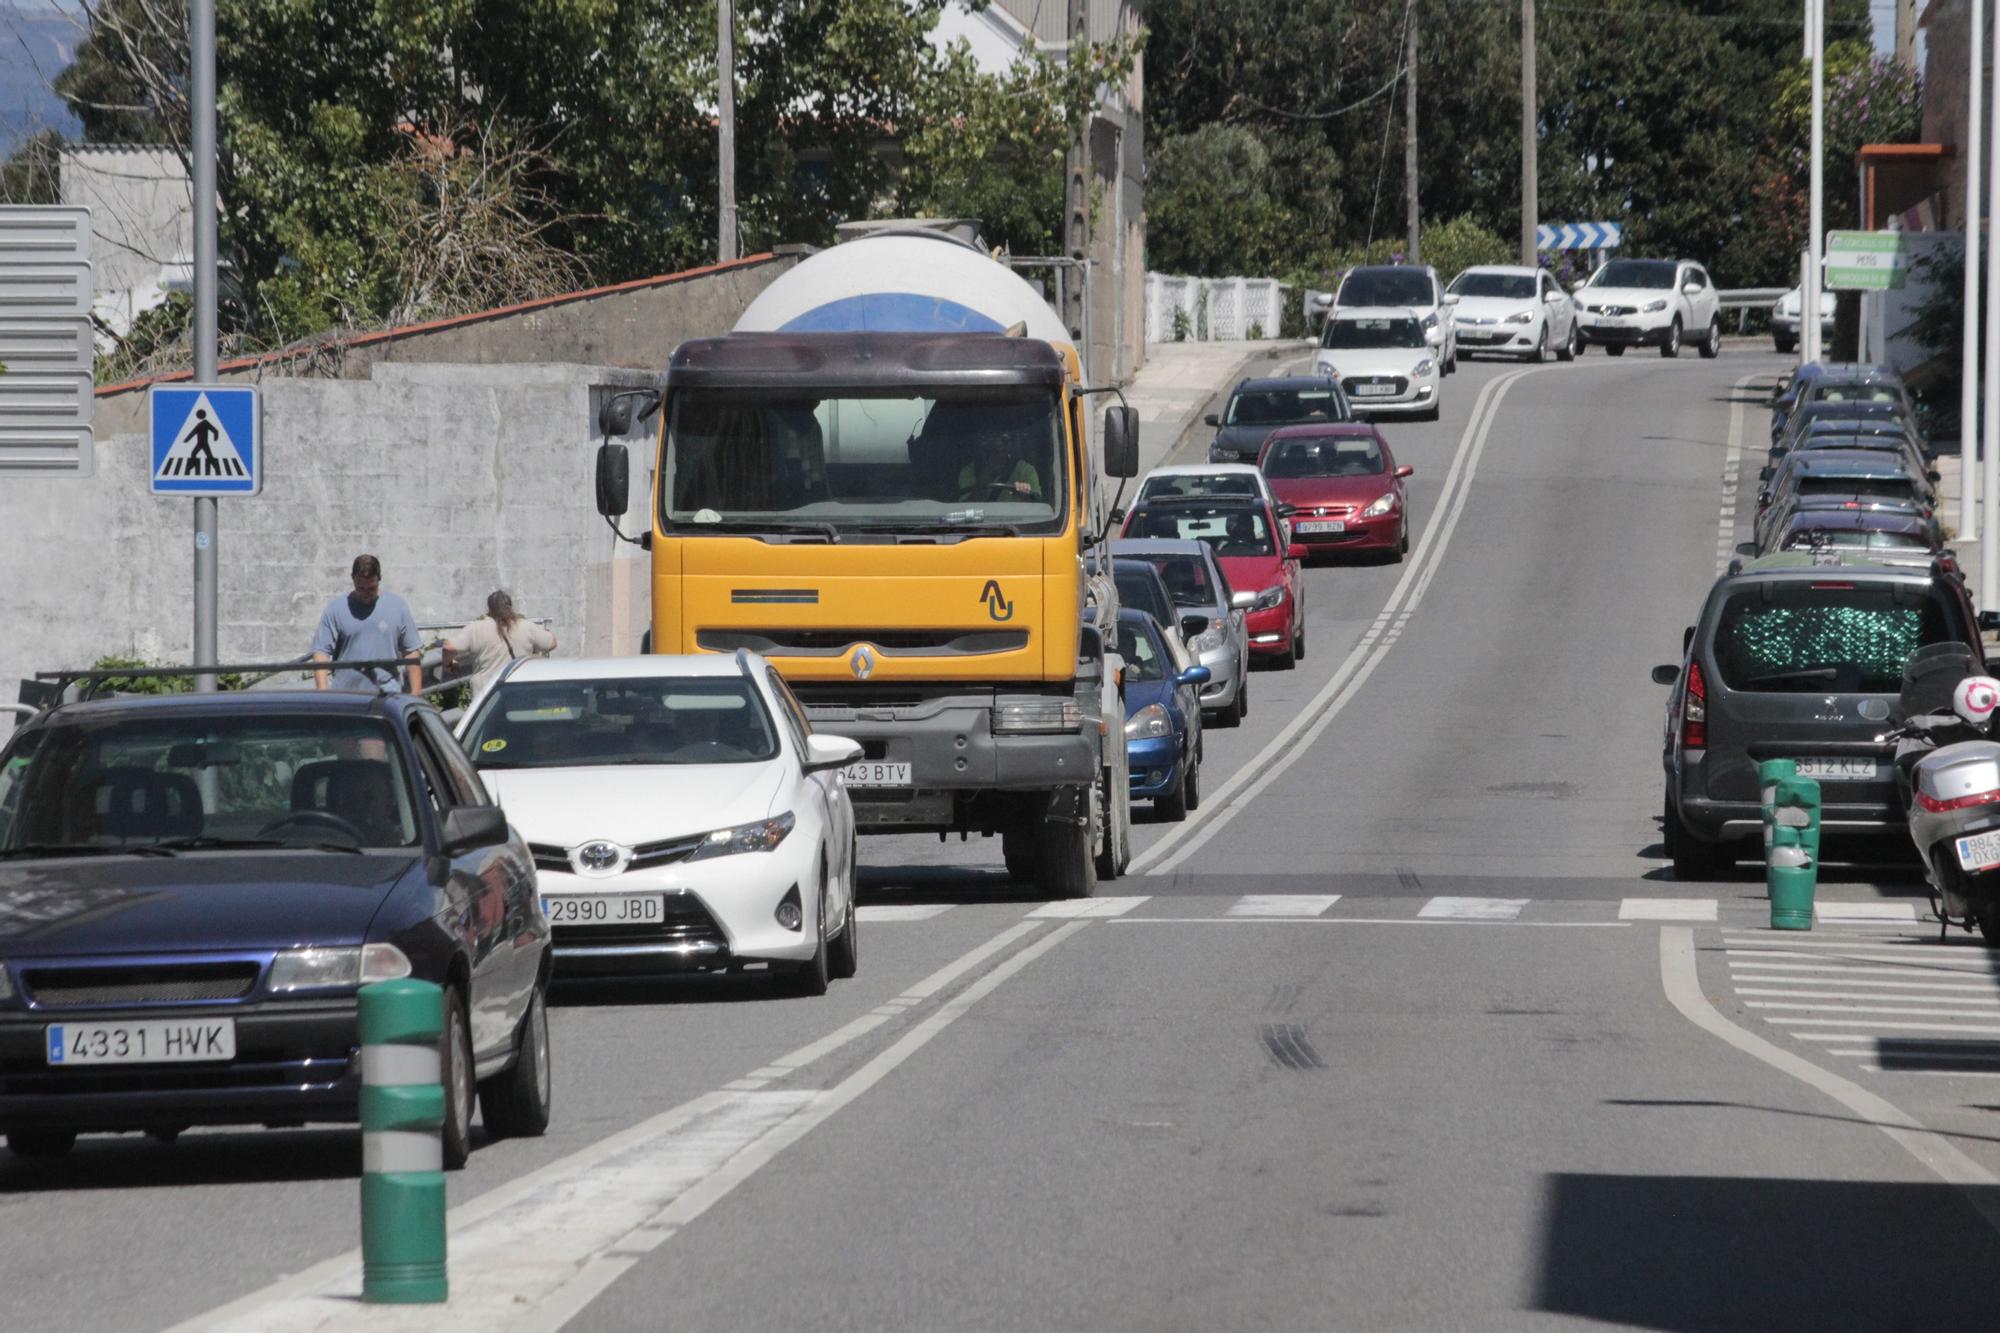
(1344, 485)
(1251, 544)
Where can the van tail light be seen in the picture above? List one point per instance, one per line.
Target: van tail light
(1694, 711)
(1931, 803)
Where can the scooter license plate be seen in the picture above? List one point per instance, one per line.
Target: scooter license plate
(1979, 851)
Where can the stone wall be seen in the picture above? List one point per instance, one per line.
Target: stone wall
(460, 478)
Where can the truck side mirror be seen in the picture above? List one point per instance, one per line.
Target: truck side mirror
(614, 477)
(614, 419)
(1121, 442)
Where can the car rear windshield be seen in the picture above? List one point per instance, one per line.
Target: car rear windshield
(1399, 331)
(1809, 539)
(271, 780)
(1646, 274)
(1137, 589)
(1387, 286)
(1229, 530)
(1187, 579)
(1352, 456)
(1285, 407)
(626, 720)
(1215, 483)
(1824, 392)
(1891, 488)
(1828, 637)
(1512, 286)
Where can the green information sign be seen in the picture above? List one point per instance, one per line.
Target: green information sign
(1865, 261)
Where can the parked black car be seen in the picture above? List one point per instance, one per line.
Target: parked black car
(193, 888)
(1797, 658)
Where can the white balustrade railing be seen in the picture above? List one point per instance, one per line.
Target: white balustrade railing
(1212, 309)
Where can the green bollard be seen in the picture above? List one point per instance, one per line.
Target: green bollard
(1789, 875)
(1795, 804)
(1769, 774)
(402, 1157)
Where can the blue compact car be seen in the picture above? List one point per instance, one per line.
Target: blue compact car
(194, 888)
(1162, 716)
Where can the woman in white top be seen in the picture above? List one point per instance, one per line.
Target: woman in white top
(492, 641)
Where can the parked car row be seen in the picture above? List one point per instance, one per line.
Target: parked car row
(1799, 649)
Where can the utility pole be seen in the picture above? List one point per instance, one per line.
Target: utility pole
(1809, 338)
(1076, 201)
(1410, 130)
(1530, 117)
(725, 104)
(1989, 471)
(201, 100)
(1968, 355)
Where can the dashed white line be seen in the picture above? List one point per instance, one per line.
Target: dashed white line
(1090, 909)
(1837, 912)
(1283, 904)
(1474, 909)
(883, 912)
(1667, 909)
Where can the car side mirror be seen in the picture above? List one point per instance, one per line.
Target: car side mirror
(1242, 601)
(470, 827)
(1405, 470)
(1195, 675)
(1766, 472)
(1192, 625)
(825, 752)
(1552, 297)
(1746, 548)
(1449, 298)
(1295, 551)
(1666, 675)
(614, 478)
(1933, 477)
(1212, 419)
(1121, 441)
(1691, 288)
(1287, 510)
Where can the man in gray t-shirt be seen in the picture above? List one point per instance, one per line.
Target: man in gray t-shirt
(368, 625)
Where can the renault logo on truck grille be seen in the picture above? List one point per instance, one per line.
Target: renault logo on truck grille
(862, 664)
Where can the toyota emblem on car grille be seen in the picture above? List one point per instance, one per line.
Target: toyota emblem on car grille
(862, 664)
(597, 858)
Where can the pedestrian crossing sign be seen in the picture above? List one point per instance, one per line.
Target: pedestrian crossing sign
(205, 440)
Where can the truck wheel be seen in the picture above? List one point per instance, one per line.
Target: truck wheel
(1107, 823)
(1018, 850)
(1065, 866)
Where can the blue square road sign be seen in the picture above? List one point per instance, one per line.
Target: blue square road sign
(206, 439)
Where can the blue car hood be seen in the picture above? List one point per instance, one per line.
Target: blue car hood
(198, 901)
(1140, 693)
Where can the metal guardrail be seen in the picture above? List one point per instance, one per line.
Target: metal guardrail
(1740, 298)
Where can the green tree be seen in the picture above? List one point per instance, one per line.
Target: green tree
(1209, 209)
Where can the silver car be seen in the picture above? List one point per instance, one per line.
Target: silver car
(1201, 593)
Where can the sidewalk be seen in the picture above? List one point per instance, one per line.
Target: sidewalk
(1950, 507)
(1178, 379)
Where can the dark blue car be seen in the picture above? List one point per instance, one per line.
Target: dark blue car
(193, 888)
(1162, 716)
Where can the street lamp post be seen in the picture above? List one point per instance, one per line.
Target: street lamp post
(201, 100)
(1968, 355)
(1989, 480)
(1809, 339)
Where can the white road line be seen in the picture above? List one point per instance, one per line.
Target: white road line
(1828, 1036)
(876, 912)
(1906, 1011)
(1935, 1073)
(1966, 967)
(1944, 1158)
(1888, 1023)
(1854, 969)
(1969, 989)
(1474, 909)
(1089, 909)
(1836, 912)
(1732, 466)
(1929, 946)
(1364, 921)
(1293, 739)
(531, 1255)
(1283, 904)
(1667, 909)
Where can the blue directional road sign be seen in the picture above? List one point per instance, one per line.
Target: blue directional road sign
(206, 440)
(1578, 236)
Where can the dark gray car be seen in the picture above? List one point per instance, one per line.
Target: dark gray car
(1795, 660)
(1259, 406)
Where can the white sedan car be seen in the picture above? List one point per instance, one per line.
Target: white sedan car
(680, 811)
(1383, 361)
(1207, 479)
(1651, 303)
(1519, 311)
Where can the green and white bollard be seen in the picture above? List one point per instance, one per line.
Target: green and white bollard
(1789, 877)
(1795, 804)
(1769, 774)
(402, 1156)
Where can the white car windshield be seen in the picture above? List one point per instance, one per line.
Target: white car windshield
(1644, 274)
(643, 720)
(1510, 286)
(1212, 483)
(1392, 331)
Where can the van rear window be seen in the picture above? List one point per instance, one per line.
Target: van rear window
(1827, 640)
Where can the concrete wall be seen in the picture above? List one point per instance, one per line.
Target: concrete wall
(460, 478)
(142, 219)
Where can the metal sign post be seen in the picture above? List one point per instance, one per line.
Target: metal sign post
(202, 104)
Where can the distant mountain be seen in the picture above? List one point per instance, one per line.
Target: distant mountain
(36, 43)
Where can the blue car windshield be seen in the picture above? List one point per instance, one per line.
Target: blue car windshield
(98, 786)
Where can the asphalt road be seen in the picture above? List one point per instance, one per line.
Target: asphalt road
(1407, 1027)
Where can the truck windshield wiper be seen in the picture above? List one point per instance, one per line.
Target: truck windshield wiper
(759, 527)
(1803, 673)
(54, 851)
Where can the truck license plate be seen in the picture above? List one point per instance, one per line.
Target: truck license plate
(143, 1042)
(877, 773)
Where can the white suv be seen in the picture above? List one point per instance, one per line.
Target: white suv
(1412, 287)
(1651, 303)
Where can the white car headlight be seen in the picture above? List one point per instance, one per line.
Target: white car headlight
(1521, 317)
(1655, 307)
(762, 836)
(1381, 505)
(1270, 597)
(1425, 367)
(325, 969)
(1209, 640)
(1431, 320)
(1148, 723)
(1326, 368)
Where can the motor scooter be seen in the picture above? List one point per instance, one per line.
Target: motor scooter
(1948, 773)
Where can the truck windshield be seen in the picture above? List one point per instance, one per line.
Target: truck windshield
(829, 461)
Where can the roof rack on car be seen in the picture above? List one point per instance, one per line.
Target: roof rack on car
(92, 679)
